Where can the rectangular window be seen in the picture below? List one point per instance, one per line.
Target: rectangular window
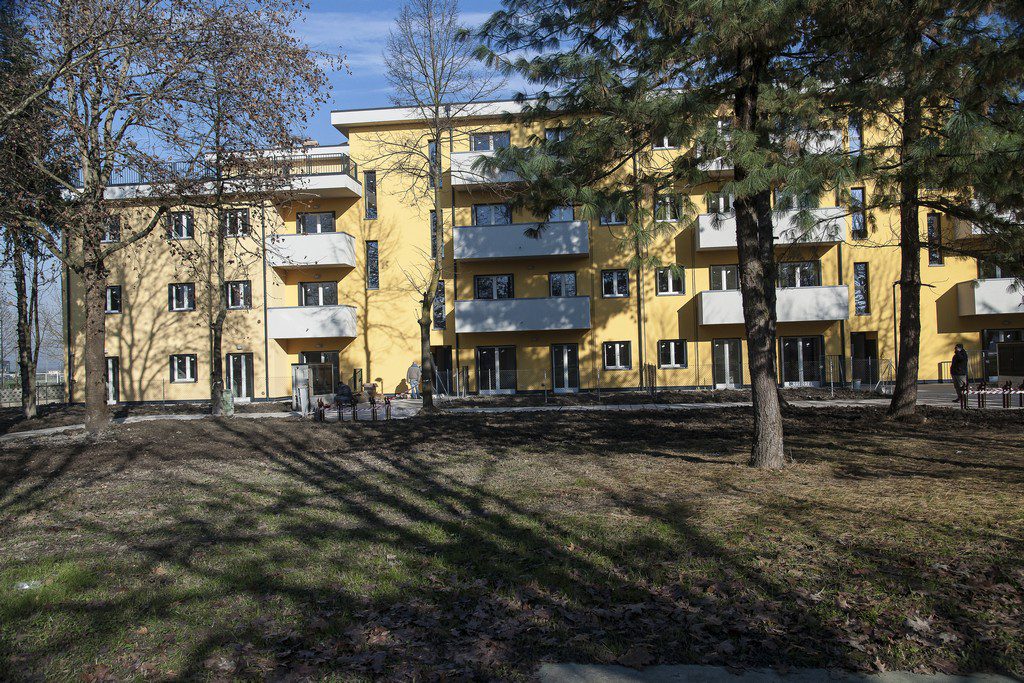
(435, 236)
(492, 214)
(861, 289)
(670, 281)
(372, 265)
(800, 274)
(239, 294)
(181, 296)
(991, 271)
(370, 194)
(235, 222)
(562, 284)
(785, 200)
(614, 283)
(112, 231)
(314, 223)
(672, 353)
(725, 277)
(183, 367)
(665, 141)
(613, 218)
(181, 225)
(487, 142)
(556, 134)
(617, 356)
(719, 202)
(113, 299)
(493, 287)
(666, 208)
(439, 311)
(318, 293)
(855, 133)
(435, 164)
(935, 256)
(858, 216)
(561, 214)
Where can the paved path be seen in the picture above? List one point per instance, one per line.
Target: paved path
(593, 673)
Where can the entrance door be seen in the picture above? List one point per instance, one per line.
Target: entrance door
(801, 361)
(865, 358)
(442, 369)
(565, 368)
(113, 380)
(496, 369)
(728, 363)
(240, 376)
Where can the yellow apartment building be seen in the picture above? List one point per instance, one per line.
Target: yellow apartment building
(328, 274)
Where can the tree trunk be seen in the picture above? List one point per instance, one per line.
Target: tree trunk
(26, 357)
(97, 416)
(426, 358)
(217, 326)
(755, 242)
(904, 395)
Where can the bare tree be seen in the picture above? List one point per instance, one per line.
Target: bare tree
(432, 71)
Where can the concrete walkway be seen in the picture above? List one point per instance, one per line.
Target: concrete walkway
(595, 673)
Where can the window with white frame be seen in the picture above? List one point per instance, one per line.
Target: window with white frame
(800, 274)
(935, 252)
(858, 215)
(670, 281)
(315, 223)
(112, 231)
(719, 202)
(614, 283)
(239, 294)
(556, 134)
(988, 270)
(613, 218)
(672, 353)
(183, 367)
(370, 195)
(562, 284)
(666, 208)
(786, 200)
(181, 296)
(235, 222)
(725, 277)
(318, 293)
(855, 134)
(561, 214)
(181, 225)
(617, 355)
(486, 142)
(666, 141)
(492, 214)
(493, 287)
(113, 299)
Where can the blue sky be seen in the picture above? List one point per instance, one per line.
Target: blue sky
(358, 29)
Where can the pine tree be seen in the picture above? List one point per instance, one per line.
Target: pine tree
(727, 76)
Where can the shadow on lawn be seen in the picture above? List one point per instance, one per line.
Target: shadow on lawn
(449, 574)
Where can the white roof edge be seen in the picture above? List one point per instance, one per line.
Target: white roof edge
(345, 118)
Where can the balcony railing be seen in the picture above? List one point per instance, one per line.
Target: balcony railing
(479, 242)
(793, 304)
(989, 296)
(311, 322)
(303, 251)
(522, 315)
(467, 173)
(718, 231)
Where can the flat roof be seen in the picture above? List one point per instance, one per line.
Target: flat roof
(344, 119)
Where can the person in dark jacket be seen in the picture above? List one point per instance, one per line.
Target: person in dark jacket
(958, 369)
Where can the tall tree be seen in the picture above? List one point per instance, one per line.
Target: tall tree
(722, 76)
(432, 71)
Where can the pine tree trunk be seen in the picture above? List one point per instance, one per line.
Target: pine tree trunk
(755, 242)
(97, 415)
(26, 359)
(904, 395)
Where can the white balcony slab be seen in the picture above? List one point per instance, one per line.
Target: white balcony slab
(305, 251)
(310, 322)
(481, 242)
(989, 296)
(793, 304)
(522, 315)
(465, 172)
(718, 231)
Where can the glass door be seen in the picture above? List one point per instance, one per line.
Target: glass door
(565, 368)
(113, 380)
(496, 369)
(728, 363)
(240, 376)
(801, 361)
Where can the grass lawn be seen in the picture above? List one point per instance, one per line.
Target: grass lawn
(481, 545)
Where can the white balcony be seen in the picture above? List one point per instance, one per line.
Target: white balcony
(466, 174)
(480, 242)
(522, 315)
(793, 304)
(718, 231)
(989, 296)
(311, 322)
(306, 251)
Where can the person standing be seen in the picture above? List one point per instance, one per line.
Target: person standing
(413, 376)
(958, 369)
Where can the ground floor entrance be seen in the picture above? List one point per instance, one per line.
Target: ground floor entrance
(496, 369)
(239, 376)
(565, 368)
(442, 356)
(727, 363)
(864, 357)
(801, 361)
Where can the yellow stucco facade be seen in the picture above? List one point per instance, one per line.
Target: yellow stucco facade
(685, 333)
